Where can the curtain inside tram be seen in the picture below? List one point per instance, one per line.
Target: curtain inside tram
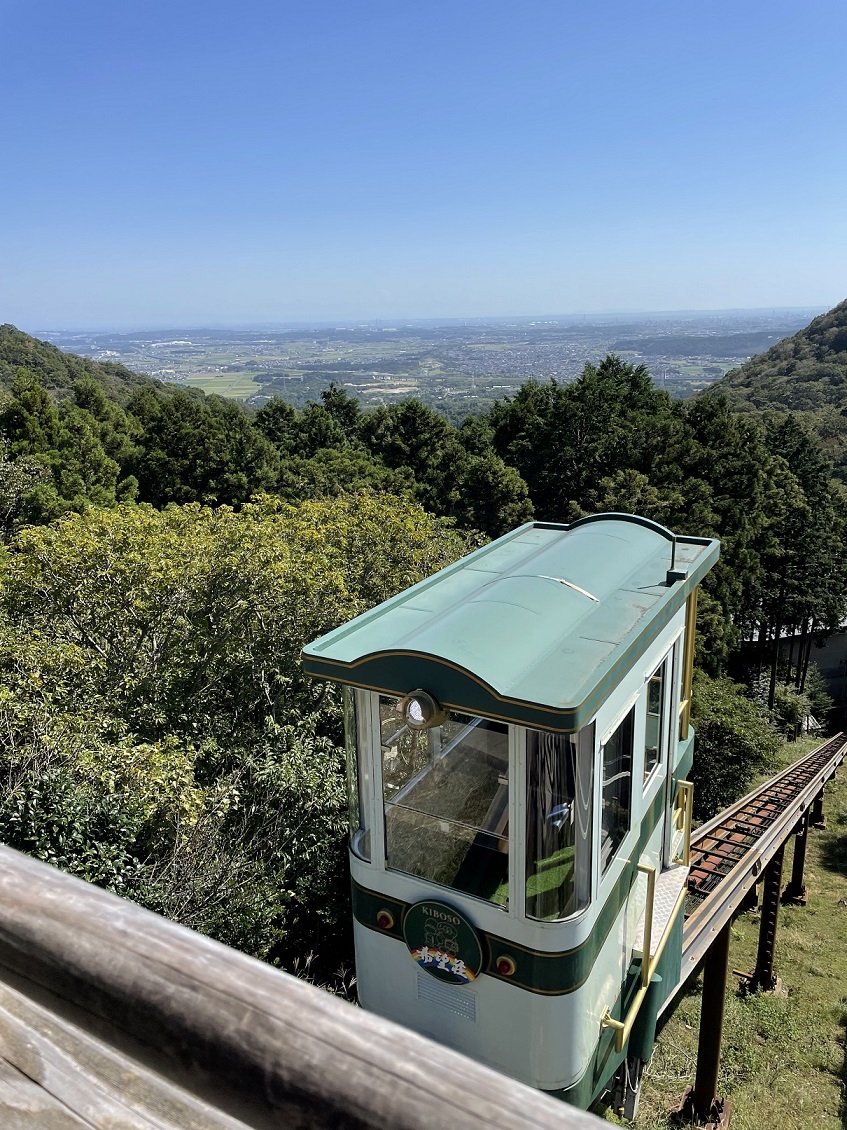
(559, 821)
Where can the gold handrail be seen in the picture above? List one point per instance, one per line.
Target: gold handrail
(684, 809)
(650, 872)
(649, 964)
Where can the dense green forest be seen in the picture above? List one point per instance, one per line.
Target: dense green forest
(801, 373)
(166, 555)
(806, 375)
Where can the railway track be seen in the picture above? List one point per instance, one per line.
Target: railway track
(730, 851)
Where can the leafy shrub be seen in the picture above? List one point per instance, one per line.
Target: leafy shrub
(790, 708)
(734, 741)
(157, 735)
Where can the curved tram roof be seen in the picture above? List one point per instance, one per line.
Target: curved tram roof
(535, 628)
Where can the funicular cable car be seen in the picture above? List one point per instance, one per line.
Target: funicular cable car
(518, 745)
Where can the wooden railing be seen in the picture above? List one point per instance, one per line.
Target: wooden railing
(111, 1016)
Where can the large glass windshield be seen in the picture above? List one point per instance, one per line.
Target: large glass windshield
(446, 794)
(559, 822)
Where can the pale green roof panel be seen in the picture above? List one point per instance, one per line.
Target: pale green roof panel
(535, 626)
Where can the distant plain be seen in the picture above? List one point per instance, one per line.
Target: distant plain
(459, 368)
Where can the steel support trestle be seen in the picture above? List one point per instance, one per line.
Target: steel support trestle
(701, 1104)
(795, 892)
(763, 976)
(817, 818)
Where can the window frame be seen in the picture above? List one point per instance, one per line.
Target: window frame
(358, 772)
(663, 747)
(628, 711)
(382, 833)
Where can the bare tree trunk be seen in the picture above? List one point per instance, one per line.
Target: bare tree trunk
(762, 649)
(774, 662)
(808, 657)
(790, 657)
(777, 627)
(798, 676)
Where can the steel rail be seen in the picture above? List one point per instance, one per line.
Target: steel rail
(729, 852)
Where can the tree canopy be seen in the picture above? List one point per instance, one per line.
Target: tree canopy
(166, 556)
(155, 728)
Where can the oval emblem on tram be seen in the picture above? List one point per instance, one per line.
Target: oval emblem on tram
(443, 942)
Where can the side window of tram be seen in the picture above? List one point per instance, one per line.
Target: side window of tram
(446, 796)
(655, 720)
(617, 789)
(559, 814)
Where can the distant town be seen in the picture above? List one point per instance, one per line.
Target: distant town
(458, 367)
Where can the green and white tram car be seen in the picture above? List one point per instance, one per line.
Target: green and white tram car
(519, 741)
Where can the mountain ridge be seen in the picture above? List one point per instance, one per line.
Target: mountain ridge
(806, 372)
(58, 371)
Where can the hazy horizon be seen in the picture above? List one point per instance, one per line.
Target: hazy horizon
(344, 323)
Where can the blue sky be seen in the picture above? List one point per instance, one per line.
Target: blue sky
(178, 163)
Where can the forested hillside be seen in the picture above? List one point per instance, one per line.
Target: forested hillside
(803, 373)
(155, 731)
(58, 372)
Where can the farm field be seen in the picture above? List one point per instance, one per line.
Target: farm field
(234, 386)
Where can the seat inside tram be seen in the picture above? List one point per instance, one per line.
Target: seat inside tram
(446, 793)
(446, 797)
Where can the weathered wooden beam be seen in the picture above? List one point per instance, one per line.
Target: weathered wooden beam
(84, 1076)
(26, 1106)
(205, 1024)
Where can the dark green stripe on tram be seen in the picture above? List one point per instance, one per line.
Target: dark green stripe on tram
(550, 974)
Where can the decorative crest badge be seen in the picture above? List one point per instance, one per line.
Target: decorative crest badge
(443, 942)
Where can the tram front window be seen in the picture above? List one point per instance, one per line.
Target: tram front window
(446, 795)
(559, 822)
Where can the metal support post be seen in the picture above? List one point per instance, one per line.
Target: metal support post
(795, 892)
(751, 900)
(763, 976)
(701, 1104)
(817, 817)
(715, 970)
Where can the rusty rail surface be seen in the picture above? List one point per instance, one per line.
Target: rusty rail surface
(730, 851)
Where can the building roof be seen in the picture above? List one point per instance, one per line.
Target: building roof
(536, 628)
